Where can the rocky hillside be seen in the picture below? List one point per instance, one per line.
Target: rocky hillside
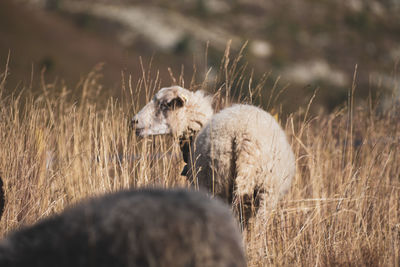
(309, 44)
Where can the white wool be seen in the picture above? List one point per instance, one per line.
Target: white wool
(237, 152)
(244, 148)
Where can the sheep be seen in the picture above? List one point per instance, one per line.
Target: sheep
(243, 155)
(176, 111)
(2, 197)
(131, 228)
(240, 154)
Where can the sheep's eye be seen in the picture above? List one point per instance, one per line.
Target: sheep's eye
(172, 104)
(168, 105)
(164, 105)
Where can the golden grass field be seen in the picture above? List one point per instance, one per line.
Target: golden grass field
(343, 208)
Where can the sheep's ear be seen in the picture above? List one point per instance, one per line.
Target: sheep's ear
(177, 102)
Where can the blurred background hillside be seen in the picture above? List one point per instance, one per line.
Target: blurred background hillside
(305, 44)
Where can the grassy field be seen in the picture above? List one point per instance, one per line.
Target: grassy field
(343, 207)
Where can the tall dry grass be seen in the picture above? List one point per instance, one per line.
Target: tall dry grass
(343, 207)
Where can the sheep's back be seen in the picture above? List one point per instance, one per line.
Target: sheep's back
(132, 228)
(257, 135)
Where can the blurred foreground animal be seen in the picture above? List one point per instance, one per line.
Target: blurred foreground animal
(2, 197)
(131, 228)
(240, 154)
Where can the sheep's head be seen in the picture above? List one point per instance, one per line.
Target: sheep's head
(173, 110)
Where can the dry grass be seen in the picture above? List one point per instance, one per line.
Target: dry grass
(343, 208)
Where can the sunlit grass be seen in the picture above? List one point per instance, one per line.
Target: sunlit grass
(343, 207)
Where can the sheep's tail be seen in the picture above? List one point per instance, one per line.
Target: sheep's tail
(245, 154)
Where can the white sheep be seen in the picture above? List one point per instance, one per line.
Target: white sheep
(174, 110)
(242, 154)
(239, 154)
(131, 228)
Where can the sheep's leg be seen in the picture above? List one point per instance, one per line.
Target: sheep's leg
(245, 207)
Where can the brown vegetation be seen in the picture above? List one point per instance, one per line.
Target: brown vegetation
(343, 207)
